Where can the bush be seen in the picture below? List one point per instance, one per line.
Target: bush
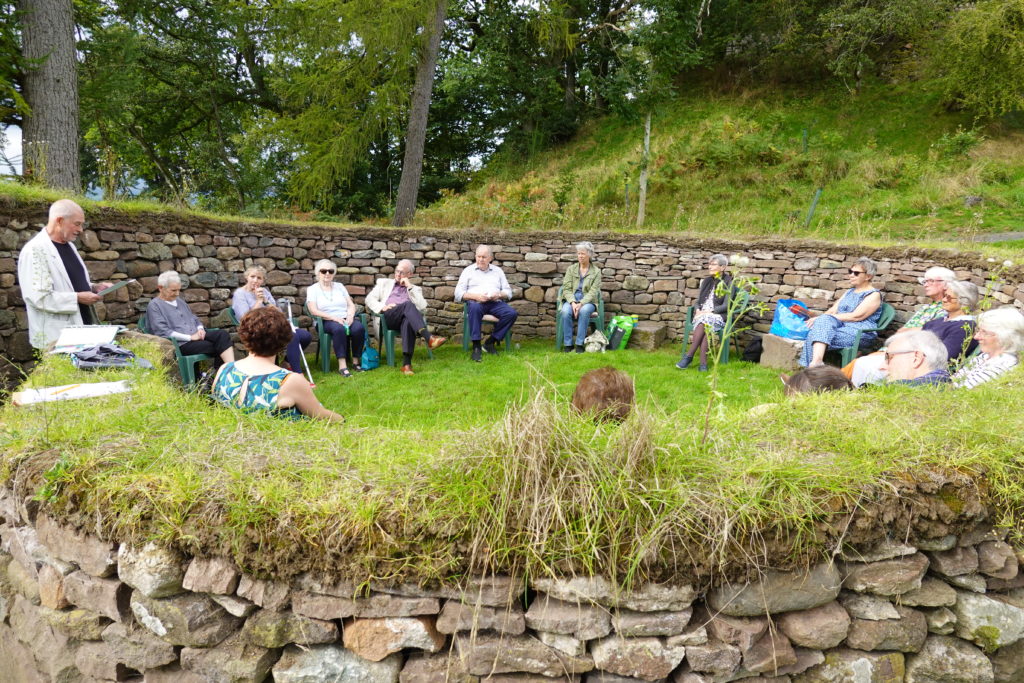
(959, 143)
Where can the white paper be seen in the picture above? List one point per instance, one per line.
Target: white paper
(76, 337)
(69, 391)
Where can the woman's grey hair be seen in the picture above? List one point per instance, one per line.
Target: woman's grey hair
(168, 277)
(587, 247)
(931, 347)
(940, 273)
(869, 266)
(1007, 324)
(720, 259)
(966, 293)
(255, 269)
(324, 263)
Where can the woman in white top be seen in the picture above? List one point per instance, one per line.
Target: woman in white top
(1000, 336)
(330, 300)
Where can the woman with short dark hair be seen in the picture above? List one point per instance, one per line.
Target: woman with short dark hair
(256, 383)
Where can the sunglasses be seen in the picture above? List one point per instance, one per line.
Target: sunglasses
(856, 272)
(324, 271)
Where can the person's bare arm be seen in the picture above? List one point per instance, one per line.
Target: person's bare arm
(865, 310)
(297, 392)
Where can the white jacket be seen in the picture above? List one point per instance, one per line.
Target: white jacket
(51, 301)
(378, 298)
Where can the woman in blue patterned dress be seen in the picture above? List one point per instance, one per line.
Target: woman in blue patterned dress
(858, 309)
(256, 383)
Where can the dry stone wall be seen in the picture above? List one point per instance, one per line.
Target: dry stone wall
(74, 607)
(653, 276)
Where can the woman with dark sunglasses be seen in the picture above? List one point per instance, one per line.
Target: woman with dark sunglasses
(859, 309)
(330, 300)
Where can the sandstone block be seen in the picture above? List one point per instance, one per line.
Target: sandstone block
(779, 353)
(906, 634)
(94, 659)
(884, 550)
(422, 668)
(771, 652)
(486, 655)
(51, 649)
(888, 577)
(154, 571)
(137, 648)
(16, 661)
(333, 663)
(320, 606)
(237, 607)
(189, 619)
(581, 621)
(695, 634)
(742, 632)
(997, 559)
(216, 575)
(805, 659)
(77, 624)
(648, 335)
(635, 283)
(563, 643)
(645, 658)
(1008, 663)
(276, 629)
(23, 583)
(95, 557)
(941, 620)
(949, 660)
(938, 543)
(932, 593)
(971, 582)
(955, 562)
(456, 616)
(272, 595)
(819, 628)
(108, 597)
(844, 665)
(867, 606)
(24, 546)
(629, 623)
(375, 639)
(778, 592)
(51, 588)
(714, 657)
(988, 622)
(650, 597)
(233, 660)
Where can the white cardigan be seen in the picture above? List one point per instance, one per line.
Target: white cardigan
(50, 299)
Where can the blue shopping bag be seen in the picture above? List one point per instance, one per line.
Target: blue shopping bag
(786, 323)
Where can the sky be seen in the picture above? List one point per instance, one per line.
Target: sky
(12, 150)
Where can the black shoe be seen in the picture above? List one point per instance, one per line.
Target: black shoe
(567, 349)
(579, 348)
(684, 362)
(703, 367)
(489, 347)
(477, 355)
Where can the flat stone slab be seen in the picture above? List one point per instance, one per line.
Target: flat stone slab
(779, 353)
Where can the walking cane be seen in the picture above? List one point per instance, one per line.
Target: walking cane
(309, 375)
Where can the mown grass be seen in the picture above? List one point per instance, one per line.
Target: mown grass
(424, 483)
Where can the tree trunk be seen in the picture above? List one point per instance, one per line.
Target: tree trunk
(415, 136)
(50, 131)
(644, 165)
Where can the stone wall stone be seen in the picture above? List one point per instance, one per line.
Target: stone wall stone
(888, 611)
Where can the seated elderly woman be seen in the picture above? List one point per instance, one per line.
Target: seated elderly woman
(253, 295)
(955, 329)
(578, 296)
(256, 383)
(859, 308)
(1000, 336)
(330, 300)
(168, 316)
(916, 358)
(712, 306)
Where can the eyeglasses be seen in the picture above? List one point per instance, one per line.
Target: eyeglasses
(324, 271)
(890, 354)
(929, 281)
(981, 332)
(950, 297)
(856, 272)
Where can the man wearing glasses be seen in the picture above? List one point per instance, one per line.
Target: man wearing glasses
(54, 282)
(402, 305)
(916, 358)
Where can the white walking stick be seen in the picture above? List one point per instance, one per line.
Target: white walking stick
(309, 375)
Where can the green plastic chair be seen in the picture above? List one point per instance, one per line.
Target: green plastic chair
(186, 363)
(596, 319)
(324, 339)
(740, 301)
(386, 339)
(848, 354)
(487, 319)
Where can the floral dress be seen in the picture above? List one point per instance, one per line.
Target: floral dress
(252, 393)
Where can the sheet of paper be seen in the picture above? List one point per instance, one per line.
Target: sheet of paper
(113, 288)
(78, 336)
(66, 392)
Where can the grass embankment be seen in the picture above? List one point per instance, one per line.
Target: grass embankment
(893, 163)
(471, 466)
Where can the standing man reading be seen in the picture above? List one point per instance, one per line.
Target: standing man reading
(402, 305)
(485, 290)
(54, 282)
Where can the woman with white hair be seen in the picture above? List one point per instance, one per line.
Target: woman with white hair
(1000, 337)
(859, 308)
(254, 295)
(168, 316)
(712, 307)
(330, 300)
(580, 291)
(956, 329)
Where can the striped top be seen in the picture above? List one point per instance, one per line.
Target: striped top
(982, 368)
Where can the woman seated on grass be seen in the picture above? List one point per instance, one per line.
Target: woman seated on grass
(1000, 336)
(257, 383)
(858, 309)
(711, 310)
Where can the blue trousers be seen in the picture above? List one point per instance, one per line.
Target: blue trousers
(476, 310)
(581, 325)
(293, 352)
(343, 341)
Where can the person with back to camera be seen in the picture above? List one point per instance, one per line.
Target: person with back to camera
(1000, 336)
(916, 358)
(578, 295)
(815, 380)
(256, 383)
(168, 316)
(859, 308)
(712, 309)
(254, 295)
(330, 300)
(867, 369)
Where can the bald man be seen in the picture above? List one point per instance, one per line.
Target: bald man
(53, 278)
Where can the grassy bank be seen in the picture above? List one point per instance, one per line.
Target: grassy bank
(419, 485)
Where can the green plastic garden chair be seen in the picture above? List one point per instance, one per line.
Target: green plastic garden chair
(848, 354)
(596, 319)
(324, 339)
(739, 303)
(186, 363)
(386, 339)
(487, 319)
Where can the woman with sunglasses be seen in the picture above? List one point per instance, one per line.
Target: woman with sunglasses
(859, 309)
(330, 300)
(1000, 336)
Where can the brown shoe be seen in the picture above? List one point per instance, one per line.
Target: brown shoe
(407, 370)
(436, 341)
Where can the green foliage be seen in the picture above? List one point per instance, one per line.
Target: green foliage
(959, 142)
